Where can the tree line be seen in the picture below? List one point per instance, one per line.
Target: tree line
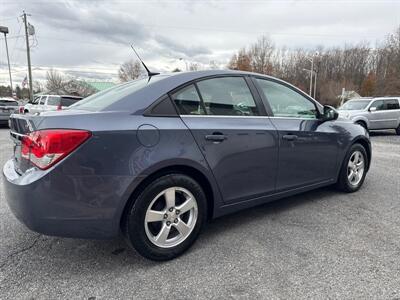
(370, 71)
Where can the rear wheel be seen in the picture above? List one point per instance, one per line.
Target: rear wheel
(354, 169)
(167, 217)
(398, 130)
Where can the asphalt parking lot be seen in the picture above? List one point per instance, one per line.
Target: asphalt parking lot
(316, 245)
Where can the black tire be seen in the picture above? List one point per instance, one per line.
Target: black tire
(398, 130)
(134, 225)
(343, 182)
(363, 124)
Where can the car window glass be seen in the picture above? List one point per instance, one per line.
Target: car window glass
(187, 101)
(392, 104)
(227, 96)
(42, 99)
(8, 103)
(286, 102)
(65, 101)
(379, 105)
(53, 100)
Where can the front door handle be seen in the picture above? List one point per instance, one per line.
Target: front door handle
(290, 137)
(216, 137)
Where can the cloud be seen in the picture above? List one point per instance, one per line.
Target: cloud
(94, 36)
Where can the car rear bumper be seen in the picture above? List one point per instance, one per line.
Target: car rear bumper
(56, 204)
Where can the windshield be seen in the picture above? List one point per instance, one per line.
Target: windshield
(105, 98)
(355, 105)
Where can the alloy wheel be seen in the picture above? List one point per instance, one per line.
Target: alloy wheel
(355, 168)
(171, 217)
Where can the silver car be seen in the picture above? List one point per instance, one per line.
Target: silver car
(50, 103)
(373, 113)
(8, 106)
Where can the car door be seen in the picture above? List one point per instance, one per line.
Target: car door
(392, 114)
(52, 103)
(378, 115)
(239, 144)
(38, 105)
(308, 147)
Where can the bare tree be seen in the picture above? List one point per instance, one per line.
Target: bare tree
(261, 55)
(55, 80)
(129, 70)
(193, 67)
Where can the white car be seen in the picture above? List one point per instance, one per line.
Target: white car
(49, 103)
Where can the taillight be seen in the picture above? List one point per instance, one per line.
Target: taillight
(59, 107)
(21, 109)
(44, 148)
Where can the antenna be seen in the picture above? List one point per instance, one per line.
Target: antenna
(149, 73)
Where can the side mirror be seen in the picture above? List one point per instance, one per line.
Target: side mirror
(372, 109)
(330, 113)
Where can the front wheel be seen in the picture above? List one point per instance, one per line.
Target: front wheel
(167, 217)
(354, 169)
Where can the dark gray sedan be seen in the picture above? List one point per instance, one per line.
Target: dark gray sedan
(156, 158)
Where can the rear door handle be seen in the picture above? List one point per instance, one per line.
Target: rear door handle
(215, 137)
(290, 137)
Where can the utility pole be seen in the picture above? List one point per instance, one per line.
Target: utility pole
(311, 75)
(5, 31)
(315, 84)
(28, 55)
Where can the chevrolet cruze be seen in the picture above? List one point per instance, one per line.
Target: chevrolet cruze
(155, 158)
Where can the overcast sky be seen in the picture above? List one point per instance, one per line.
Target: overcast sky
(91, 38)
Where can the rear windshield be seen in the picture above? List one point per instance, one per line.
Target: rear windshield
(105, 98)
(355, 105)
(8, 103)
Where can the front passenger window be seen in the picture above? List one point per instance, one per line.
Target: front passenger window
(286, 102)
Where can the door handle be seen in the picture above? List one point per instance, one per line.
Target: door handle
(290, 137)
(215, 137)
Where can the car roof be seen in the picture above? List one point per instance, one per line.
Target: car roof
(64, 96)
(141, 99)
(387, 98)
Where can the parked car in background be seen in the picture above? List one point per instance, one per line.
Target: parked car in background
(373, 113)
(8, 106)
(156, 157)
(50, 103)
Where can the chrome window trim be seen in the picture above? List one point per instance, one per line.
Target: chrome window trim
(253, 117)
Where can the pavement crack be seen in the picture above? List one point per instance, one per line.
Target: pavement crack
(17, 252)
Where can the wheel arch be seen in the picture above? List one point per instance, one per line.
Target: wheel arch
(362, 120)
(189, 170)
(367, 146)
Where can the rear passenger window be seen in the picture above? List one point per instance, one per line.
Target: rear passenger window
(227, 96)
(53, 100)
(187, 101)
(392, 104)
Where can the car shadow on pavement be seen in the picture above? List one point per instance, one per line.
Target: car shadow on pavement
(109, 255)
(382, 132)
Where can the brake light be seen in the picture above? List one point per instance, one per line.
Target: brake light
(44, 148)
(21, 109)
(59, 107)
